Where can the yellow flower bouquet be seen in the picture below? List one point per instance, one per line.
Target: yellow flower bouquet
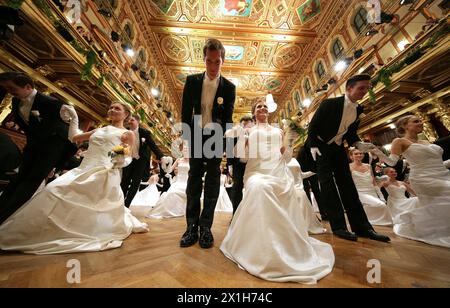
(120, 156)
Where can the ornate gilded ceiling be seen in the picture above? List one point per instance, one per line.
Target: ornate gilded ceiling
(266, 41)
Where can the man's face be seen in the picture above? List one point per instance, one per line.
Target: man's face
(213, 63)
(133, 123)
(15, 90)
(358, 91)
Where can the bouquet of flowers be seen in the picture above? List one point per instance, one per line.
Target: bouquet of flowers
(120, 156)
(294, 131)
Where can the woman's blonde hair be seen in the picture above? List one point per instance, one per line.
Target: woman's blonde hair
(401, 124)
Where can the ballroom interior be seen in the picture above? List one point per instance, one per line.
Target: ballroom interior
(295, 53)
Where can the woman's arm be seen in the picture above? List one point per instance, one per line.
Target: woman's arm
(82, 137)
(409, 189)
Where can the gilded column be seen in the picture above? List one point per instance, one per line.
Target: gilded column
(443, 113)
(428, 128)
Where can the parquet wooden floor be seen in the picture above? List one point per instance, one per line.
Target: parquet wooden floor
(154, 259)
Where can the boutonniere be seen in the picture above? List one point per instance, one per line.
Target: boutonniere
(220, 100)
(142, 140)
(36, 114)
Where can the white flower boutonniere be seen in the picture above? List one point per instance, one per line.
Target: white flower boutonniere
(36, 114)
(220, 100)
(142, 140)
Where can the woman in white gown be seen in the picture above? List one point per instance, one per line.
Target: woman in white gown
(376, 209)
(172, 203)
(268, 236)
(82, 210)
(398, 203)
(430, 179)
(146, 199)
(223, 201)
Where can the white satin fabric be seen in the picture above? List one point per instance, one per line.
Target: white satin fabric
(82, 210)
(172, 203)
(398, 203)
(268, 236)
(376, 210)
(223, 202)
(314, 225)
(430, 221)
(145, 199)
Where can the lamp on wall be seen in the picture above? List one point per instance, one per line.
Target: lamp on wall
(271, 105)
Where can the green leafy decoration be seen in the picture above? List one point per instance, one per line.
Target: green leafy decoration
(15, 4)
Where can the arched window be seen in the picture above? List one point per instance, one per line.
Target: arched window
(129, 32)
(360, 20)
(307, 86)
(338, 49)
(141, 58)
(320, 70)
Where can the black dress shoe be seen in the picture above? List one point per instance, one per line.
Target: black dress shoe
(374, 236)
(346, 235)
(190, 237)
(206, 238)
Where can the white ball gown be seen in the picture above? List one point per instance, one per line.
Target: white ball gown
(430, 221)
(314, 225)
(398, 203)
(223, 202)
(376, 209)
(268, 236)
(82, 210)
(172, 203)
(145, 199)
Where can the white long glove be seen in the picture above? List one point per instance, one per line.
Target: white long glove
(391, 160)
(364, 146)
(315, 152)
(69, 115)
(121, 161)
(287, 154)
(447, 163)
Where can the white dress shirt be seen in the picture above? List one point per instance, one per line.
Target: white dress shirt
(209, 90)
(26, 104)
(348, 117)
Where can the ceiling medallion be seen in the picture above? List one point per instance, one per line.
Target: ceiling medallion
(175, 48)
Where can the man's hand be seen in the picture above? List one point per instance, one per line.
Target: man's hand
(364, 146)
(315, 152)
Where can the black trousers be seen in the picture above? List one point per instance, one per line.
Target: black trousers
(312, 183)
(37, 162)
(197, 168)
(238, 183)
(334, 174)
(131, 178)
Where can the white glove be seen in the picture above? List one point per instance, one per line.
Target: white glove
(287, 154)
(447, 163)
(307, 174)
(168, 175)
(364, 146)
(121, 161)
(315, 152)
(391, 160)
(230, 170)
(69, 115)
(381, 178)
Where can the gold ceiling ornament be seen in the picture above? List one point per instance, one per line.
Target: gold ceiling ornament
(175, 48)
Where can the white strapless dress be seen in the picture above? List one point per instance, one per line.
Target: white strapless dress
(430, 221)
(223, 201)
(376, 210)
(82, 210)
(172, 203)
(398, 203)
(268, 236)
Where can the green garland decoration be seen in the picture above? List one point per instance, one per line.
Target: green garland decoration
(384, 74)
(15, 4)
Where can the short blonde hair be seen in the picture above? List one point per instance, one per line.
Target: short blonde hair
(127, 107)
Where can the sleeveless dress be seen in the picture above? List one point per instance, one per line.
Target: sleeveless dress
(268, 236)
(82, 210)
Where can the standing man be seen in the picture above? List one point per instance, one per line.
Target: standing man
(236, 163)
(208, 103)
(133, 173)
(45, 123)
(336, 120)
